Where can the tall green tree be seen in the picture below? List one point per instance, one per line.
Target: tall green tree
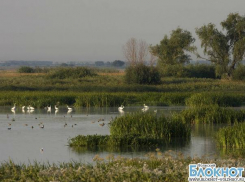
(174, 49)
(225, 49)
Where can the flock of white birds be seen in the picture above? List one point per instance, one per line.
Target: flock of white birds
(31, 109)
(145, 108)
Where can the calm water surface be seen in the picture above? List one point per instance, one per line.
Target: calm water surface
(22, 143)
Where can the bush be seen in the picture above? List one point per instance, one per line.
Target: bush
(239, 73)
(188, 71)
(142, 74)
(74, 73)
(199, 71)
(25, 69)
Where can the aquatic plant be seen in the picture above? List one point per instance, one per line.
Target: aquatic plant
(211, 114)
(231, 137)
(215, 98)
(149, 125)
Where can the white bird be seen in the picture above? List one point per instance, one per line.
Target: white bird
(13, 108)
(69, 108)
(30, 108)
(56, 108)
(23, 107)
(49, 109)
(120, 108)
(146, 107)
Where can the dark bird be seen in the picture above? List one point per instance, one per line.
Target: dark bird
(9, 128)
(102, 124)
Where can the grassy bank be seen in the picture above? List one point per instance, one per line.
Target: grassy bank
(104, 81)
(109, 99)
(211, 114)
(156, 167)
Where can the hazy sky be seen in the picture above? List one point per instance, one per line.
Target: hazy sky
(90, 30)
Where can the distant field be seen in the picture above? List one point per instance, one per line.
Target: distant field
(14, 73)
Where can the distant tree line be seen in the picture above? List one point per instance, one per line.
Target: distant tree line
(225, 50)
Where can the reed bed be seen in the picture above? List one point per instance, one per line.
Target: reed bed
(216, 98)
(149, 125)
(114, 142)
(211, 114)
(139, 130)
(156, 167)
(85, 99)
(232, 137)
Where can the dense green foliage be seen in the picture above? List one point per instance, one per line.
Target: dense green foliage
(114, 141)
(142, 74)
(188, 71)
(149, 125)
(232, 137)
(105, 99)
(114, 83)
(225, 49)
(212, 108)
(157, 167)
(211, 114)
(173, 50)
(216, 98)
(239, 73)
(73, 73)
(26, 69)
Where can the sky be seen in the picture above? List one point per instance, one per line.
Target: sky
(96, 30)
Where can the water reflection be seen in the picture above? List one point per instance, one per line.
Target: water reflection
(174, 144)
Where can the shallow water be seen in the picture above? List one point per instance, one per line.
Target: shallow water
(22, 143)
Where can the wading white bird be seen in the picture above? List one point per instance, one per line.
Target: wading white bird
(146, 107)
(30, 108)
(121, 108)
(69, 108)
(49, 109)
(13, 108)
(56, 108)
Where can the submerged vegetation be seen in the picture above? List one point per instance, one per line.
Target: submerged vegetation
(156, 167)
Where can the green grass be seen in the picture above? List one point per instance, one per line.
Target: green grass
(211, 114)
(139, 130)
(149, 125)
(232, 137)
(156, 167)
(113, 142)
(109, 99)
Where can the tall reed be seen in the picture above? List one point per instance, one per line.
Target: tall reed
(149, 125)
(231, 137)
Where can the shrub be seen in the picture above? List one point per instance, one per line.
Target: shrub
(74, 73)
(188, 71)
(142, 74)
(239, 73)
(25, 69)
(199, 71)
